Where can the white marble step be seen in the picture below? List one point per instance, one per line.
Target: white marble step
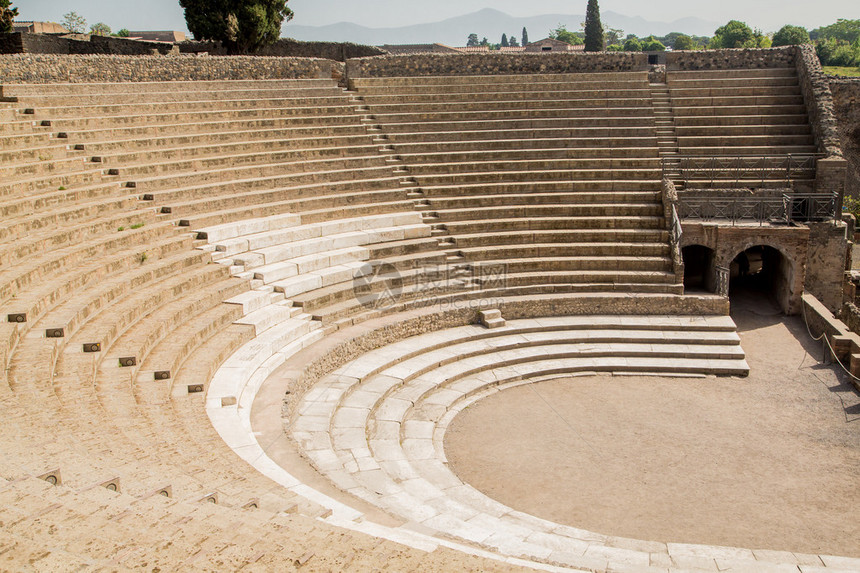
(226, 231)
(297, 233)
(309, 263)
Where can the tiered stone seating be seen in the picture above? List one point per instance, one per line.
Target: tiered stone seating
(747, 113)
(554, 178)
(122, 321)
(170, 245)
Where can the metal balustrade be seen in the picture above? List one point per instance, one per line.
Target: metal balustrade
(742, 168)
(785, 209)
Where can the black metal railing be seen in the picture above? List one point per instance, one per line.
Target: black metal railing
(780, 209)
(740, 168)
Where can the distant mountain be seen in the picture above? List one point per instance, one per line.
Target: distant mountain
(490, 23)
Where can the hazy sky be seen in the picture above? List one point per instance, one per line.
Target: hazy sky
(768, 15)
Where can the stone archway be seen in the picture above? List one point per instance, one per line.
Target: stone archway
(763, 270)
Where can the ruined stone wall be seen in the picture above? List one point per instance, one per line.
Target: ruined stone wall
(730, 59)
(846, 104)
(41, 69)
(24, 43)
(819, 101)
(494, 63)
(289, 48)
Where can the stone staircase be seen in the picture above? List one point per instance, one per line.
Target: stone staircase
(543, 176)
(737, 128)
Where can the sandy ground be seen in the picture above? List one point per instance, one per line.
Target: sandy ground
(767, 462)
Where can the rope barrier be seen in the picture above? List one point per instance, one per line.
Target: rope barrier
(827, 342)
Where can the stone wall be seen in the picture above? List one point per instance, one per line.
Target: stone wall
(730, 59)
(490, 63)
(40, 69)
(826, 262)
(289, 48)
(23, 43)
(846, 105)
(819, 101)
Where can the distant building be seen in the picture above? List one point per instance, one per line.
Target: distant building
(473, 49)
(512, 49)
(551, 45)
(29, 27)
(401, 49)
(169, 36)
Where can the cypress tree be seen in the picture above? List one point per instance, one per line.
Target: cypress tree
(525, 37)
(504, 40)
(594, 40)
(7, 15)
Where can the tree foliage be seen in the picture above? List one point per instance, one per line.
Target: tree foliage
(845, 30)
(683, 42)
(632, 45)
(525, 37)
(74, 23)
(100, 29)
(652, 44)
(504, 42)
(513, 42)
(472, 41)
(790, 35)
(243, 26)
(7, 16)
(734, 34)
(562, 34)
(123, 33)
(594, 40)
(613, 36)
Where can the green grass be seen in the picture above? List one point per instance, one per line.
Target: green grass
(137, 225)
(837, 71)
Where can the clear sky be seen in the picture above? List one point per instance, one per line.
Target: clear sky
(769, 15)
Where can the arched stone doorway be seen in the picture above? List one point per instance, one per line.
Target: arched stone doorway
(762, 271)
(699, 269)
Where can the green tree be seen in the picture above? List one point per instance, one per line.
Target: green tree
(845, 30)
(762, 40)
(100, 29)
(652, 44)
(525, 37)
(74, 23)
(594, 41)
(562, 34)
(735, 34)
(472, 41)
(512, 41)
(7, 16)
(790, 35)
(613, 36)
(243, 26)
(504, 42)
(485, 41)
(683, 42)
(632, 45)
(123, 33)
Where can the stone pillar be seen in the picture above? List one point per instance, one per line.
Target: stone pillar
(830, 174)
